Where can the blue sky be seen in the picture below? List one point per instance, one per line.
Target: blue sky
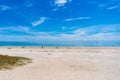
(59, 20)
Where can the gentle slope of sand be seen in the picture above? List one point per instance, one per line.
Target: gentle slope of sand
(64, 64)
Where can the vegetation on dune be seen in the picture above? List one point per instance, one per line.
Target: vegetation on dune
(8, 62)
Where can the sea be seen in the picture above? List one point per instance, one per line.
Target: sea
(64, 44)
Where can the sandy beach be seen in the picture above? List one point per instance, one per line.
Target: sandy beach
(62, 63)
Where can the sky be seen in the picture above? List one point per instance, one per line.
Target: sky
(59, 20)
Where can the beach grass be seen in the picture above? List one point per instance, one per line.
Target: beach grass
(9, 62)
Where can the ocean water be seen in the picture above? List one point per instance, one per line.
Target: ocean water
(65, 44)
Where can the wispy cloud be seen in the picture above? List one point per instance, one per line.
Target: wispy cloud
(23, 30)
(80, 18)
(27, 34)
(14, 29)
(4, 7)
(113, 4)
(96, 32)
(39, 21)
(114, 7)
(60, 3)
(101, 5)
(63, 27)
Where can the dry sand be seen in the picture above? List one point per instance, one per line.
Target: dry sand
(64, 64)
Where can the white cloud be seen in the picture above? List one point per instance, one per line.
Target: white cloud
(63, 27)
(60, 3)
(98, 29)
(22, 29)
(101, 5)
(114, 7)
(38, 22)
(15, 29)
(96, 32)
(80, 18)
(55, 9)
(4, 7)
(19, 28)
(113, 4)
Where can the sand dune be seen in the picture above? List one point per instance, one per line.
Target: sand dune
(64, 64)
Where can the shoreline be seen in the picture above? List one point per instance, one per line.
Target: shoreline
(64, 46)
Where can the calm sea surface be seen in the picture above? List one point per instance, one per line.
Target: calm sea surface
(67, 44)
